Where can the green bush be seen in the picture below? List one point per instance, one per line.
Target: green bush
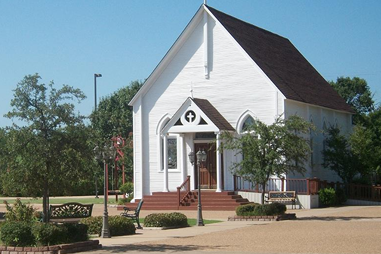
(21, 234)
(76, 232)
(123, 201)
(332, 197)
(166, 220)
(327, 197)
(17, 233)
(94, 224)
(19, 212)
(118, 225)
(49, 234)
(278, 208)
(245, 210)
(261, 210)
(127, 188)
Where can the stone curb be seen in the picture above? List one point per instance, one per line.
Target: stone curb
(287, 216)
(53, 249)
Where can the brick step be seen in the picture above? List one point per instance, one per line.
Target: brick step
(215, 204)
(211, 200)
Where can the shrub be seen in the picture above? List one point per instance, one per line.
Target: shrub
(278, 208)
(49, 234)
(245, 210)
(118, 225)
(127, 188)
(17, 233)
(19, 212)
(166, 220)
(261, 210)
(94, 224)
(332, 197)
(327, 197)
(76, 232)
(122, 201)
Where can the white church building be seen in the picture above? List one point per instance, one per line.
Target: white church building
(219, 75)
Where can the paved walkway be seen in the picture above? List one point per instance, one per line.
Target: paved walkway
(350, 230)
(330, 230)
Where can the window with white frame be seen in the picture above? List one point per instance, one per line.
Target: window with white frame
(171, 152)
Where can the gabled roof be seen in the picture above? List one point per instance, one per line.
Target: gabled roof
(286, 67)
(197, 115)
(213, 114)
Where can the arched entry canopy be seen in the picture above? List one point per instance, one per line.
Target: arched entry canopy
(195, 116)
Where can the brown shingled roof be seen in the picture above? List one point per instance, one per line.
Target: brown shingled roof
(286, 67)
(213, 114)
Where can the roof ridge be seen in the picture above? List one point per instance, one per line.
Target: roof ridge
(245, 22)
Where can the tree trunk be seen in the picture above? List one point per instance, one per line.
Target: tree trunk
(263, 192)
(45, 201)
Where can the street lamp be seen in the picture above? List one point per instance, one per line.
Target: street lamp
(201, 158)
(105, 154)
(95, 89)
(95, 111)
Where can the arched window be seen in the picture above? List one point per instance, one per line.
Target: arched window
(171, 145)
(245, 121)
(249, 121)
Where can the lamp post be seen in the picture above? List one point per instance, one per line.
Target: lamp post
(105, 154)
(201, 158)
(95, 89)
(95, 109)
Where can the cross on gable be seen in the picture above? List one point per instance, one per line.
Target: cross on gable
(190, 115)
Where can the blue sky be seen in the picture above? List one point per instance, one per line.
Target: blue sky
(68, 41)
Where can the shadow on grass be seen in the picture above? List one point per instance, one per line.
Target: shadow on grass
(146, 248)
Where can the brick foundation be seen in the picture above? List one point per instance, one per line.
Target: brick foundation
(53, 249)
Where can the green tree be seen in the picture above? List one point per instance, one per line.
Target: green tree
(50, 148)
(366, 145)
(114, 118)
(267, 150)
(356, 93)
(339, 157)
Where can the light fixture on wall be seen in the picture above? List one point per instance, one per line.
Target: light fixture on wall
(191, 157)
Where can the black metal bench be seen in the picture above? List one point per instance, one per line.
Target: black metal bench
(134, 214)
(282, 196)
(71, 210)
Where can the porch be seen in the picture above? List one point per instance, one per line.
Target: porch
(307, 191)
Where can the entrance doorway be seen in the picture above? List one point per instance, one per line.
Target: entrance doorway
(208, 169)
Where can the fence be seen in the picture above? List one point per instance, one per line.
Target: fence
(310, 186)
